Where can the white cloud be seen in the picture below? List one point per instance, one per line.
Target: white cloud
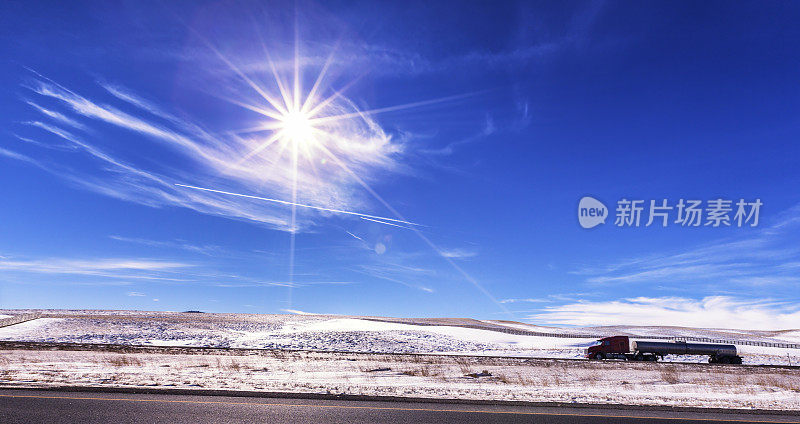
(297, 312)
(135, 294)
(709, 312)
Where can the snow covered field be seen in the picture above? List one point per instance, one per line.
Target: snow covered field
(311, 332)
(434, 376)
(348, 334)
(335, 358)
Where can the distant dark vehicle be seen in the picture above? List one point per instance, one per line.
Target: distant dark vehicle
(193, 312)
(621, 347)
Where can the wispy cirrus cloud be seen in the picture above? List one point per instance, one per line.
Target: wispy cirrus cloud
(525, 300)
(106, 268)
(487, 129)
(718, 274)
(708, 312)
(396, 273)
(128, 96)
(137, 270)
(208, 250)
(390, 60)
(251, 282)
(17, 156)
(56, 116)
(459, 253)
(33, 142)
(216, 157)
(762, 258)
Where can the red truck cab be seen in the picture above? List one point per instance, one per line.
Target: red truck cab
(609, 347)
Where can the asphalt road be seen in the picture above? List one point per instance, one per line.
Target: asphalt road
(34, 406)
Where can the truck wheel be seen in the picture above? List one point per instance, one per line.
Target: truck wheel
(638, 357)
(599, 356)
(724, 360)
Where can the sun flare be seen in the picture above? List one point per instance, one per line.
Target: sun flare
(322, 130)
(298, 122)
(297, 127)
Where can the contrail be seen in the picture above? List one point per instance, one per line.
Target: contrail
(385, 223)
(348, 232)
(319, 208)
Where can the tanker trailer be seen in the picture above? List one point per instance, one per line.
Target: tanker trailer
(717, 353)
(621, 347)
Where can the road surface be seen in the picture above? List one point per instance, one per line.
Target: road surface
(36, 406)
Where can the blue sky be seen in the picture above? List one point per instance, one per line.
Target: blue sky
(485, 124)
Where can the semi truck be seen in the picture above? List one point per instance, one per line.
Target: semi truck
(621, 347)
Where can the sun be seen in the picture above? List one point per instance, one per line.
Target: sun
(297, 127)
(295, 120)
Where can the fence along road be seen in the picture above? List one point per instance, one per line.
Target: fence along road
(521, 332)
